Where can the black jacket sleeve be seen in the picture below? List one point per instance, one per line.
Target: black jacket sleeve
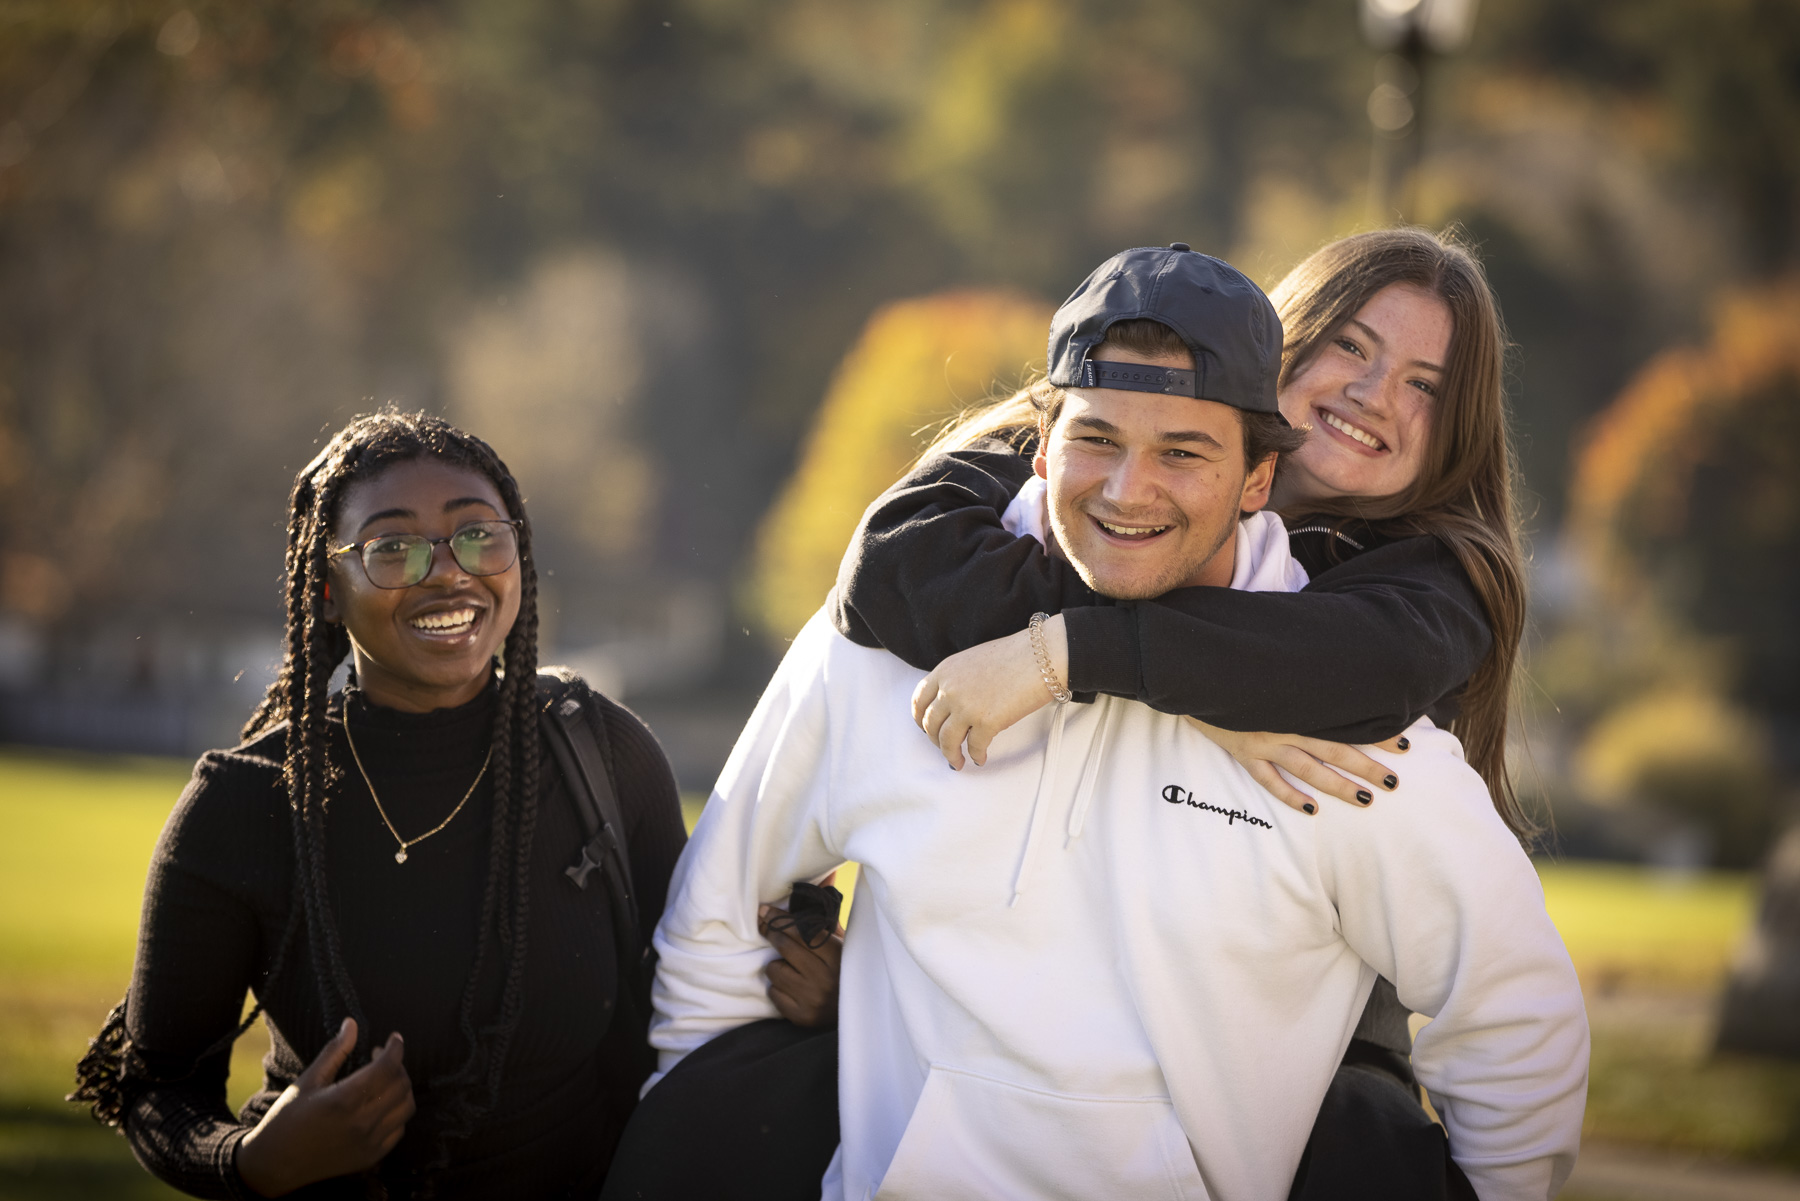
(1361, 653)
(1369, 646)
(931, 570)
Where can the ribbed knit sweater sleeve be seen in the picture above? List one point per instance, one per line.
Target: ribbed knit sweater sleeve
(200, 934)
(1369, 646)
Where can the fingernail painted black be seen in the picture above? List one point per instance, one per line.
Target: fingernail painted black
(1390, 782)
(1310, 808)
(1405, 743)
(1364, 797)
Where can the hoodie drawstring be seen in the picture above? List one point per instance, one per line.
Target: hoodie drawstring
(1046, 787)
(1090, 776)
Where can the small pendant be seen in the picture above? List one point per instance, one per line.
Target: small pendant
(400, 855)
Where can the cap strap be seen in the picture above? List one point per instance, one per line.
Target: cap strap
(1136, 377)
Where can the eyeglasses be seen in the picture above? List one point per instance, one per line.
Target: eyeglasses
(402, 560)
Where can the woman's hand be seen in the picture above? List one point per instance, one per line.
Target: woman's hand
(803, 983)
(323, 1127)
(977, 693)
(1306, 759)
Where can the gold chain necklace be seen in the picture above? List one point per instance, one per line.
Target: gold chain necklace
(400, 855)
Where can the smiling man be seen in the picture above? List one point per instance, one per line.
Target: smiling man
(1148, 490)
(1146, 486)
(1107, 963)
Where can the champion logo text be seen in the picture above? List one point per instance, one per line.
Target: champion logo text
(1175, 794)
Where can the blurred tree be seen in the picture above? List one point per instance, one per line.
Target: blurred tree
(917, 363)
(1686, 504)
(1690, 482)
(1620, 161)
(1718, 80)
(1688, 752)
(166, 332)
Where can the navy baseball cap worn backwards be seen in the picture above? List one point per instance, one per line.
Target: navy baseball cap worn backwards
(1226, 321)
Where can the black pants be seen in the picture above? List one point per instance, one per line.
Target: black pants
(752, 1116)
(1373, 1140)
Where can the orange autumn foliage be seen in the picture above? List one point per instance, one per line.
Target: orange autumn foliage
(916, 364)
(1635, 468)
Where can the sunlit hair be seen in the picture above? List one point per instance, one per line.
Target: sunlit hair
(1463, 495)
(1018, 419)
(300, 698)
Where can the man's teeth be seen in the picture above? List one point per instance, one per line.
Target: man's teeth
(1368, 440)
(1131, 531)
(444, 621)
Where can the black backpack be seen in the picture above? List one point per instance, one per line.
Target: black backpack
(575, 733)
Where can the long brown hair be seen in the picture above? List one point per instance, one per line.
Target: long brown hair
(1463, 495)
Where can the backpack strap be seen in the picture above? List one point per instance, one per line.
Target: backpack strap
(573, 737)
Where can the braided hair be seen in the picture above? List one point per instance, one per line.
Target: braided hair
(300, 697)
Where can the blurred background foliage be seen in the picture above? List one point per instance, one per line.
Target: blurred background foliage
(630, 241)
(1680, 658)
(227, 225)
(916, 364)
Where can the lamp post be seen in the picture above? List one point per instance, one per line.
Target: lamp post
(1409, 33)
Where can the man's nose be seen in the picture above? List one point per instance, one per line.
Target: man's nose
(1132, 482)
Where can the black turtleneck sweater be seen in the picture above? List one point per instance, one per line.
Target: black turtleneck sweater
(218, 897)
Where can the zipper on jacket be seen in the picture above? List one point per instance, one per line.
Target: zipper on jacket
(1325, 529)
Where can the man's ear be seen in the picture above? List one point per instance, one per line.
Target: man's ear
(1040, 462)
(1256, 486)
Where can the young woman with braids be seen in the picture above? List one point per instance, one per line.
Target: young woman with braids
(1400, 507)
(384, 867)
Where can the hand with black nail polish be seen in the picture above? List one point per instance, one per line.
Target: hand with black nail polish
(1327, 767)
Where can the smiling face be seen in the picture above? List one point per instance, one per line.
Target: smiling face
(1145, 490)
(1369, 393)
(432, 645)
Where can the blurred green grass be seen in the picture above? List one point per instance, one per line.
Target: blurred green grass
(1652, 949)
(76, 834)
(1633, 927)
(74, 844)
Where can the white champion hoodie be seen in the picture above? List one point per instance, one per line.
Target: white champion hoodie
(1108, 964)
